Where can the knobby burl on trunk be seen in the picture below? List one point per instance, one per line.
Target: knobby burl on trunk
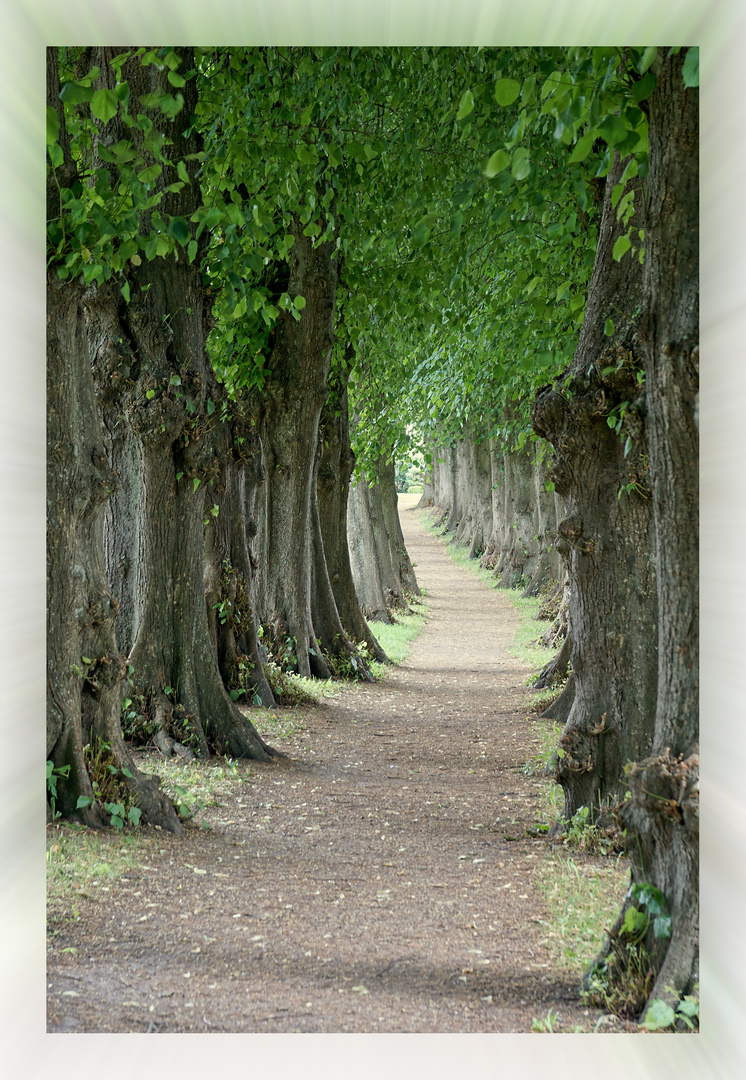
(606, 536)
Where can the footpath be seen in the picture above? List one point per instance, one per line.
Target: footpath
(378, 880)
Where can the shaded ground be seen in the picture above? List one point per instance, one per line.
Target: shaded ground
(380, 880)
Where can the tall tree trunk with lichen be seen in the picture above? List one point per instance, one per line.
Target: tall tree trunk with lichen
(593, 416)
(662, 814)
(152, 370)
(85, 668)
(294, 597)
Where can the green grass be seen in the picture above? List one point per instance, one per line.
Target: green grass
(83, 862)
(583, 899)
(396, 638)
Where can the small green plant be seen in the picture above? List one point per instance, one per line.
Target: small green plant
(621, 983)
(585, 833)
(662, 1017)
(53, 775)
(109, 787)
(654, 909)
(546, 1025)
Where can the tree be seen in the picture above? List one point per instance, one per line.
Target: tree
(85, 669)
(662, 814)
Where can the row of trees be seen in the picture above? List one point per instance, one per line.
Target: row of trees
(266, 265)
(621, 420)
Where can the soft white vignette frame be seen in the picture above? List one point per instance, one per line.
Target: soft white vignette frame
(719, 27)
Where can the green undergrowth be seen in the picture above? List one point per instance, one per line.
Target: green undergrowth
(82, 863)
(583, 898)
(396, 638)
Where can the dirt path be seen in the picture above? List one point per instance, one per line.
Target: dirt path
(378, 881)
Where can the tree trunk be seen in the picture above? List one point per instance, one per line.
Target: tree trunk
(607, 536)
(402, 564)
(333, 488)
(293, 398)
(383, 573)
(662, 815)
(230, 565)
(85, 669)
(152, 371)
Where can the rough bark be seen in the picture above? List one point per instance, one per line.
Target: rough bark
(373, 589)
(662, 814)
(606, 537)
(400, 561)
(230, 564)
(153, 375)
(292, 401)
(333, 487)
(85, 668)
(382, 570)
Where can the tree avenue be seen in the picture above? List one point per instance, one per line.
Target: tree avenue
(273, 273)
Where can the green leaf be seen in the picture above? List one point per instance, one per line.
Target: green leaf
(134, 814)
(620, 248)
(647, 58)
(73, 93)
(609, 327)
(420, 234)
(299, 302)
(179, 229)
(643, 88)
(55, 154)
(104, 105)
(147, 176)
(583, 147)
(613, 129)
(83, 801)
(196, 482)
(497, 163)
(690, 70)
(659, 1016)
(466, 105)
(125, 290)
(53, 126)
(662, 926)
(506, 91)
(175, 80)
(191, 250)
(521, 166)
